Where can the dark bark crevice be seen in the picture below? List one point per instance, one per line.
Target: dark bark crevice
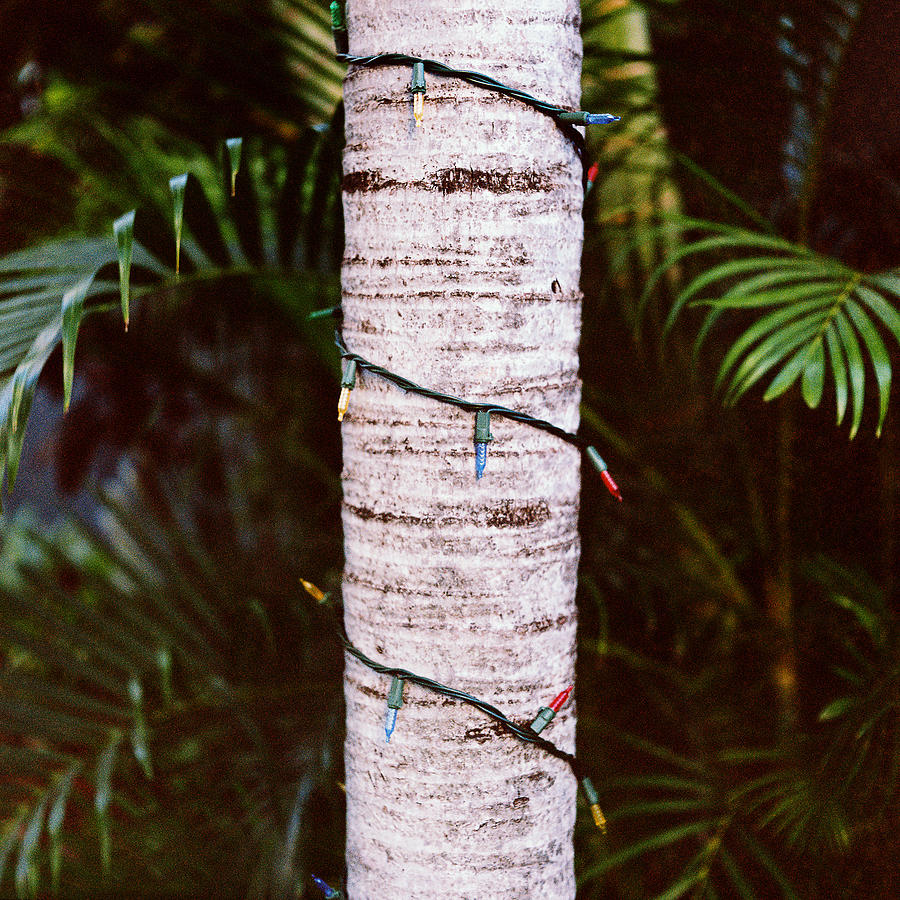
(450, 181)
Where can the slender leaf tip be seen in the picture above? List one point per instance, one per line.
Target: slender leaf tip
(177, 187)
(123, 228)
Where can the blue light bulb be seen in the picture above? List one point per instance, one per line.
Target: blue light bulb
(329, 892)
(390, 723)
(480, 458)
(395, 701)
(482, 436)
(600, 119)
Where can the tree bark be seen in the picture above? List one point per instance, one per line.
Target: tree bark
(461, 271)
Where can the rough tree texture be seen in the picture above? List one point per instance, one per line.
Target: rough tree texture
(461, 272)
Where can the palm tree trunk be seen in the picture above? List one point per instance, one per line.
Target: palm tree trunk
(461, 271)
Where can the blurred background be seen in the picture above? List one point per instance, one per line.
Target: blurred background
(170, 700)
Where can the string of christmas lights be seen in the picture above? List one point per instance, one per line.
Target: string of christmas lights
(483, 412)
(530, 734)
(564, 119)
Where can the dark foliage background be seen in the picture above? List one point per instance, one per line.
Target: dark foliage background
(170, 704)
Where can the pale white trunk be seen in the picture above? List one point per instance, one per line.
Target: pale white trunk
(455, 236)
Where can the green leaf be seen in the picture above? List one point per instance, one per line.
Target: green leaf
(17, 395)
(838, 370)
(769, 864)
(30, 759)
(814, 376)
(744, 791)
(139, 731)
(234, 147)
(82, 625)
(737, 877)
(73, 255)
(866, 618)
(25, 686)
(52, 650)
(729, 270)
(739, 755)
(123, 229)
(148, 542)
(852, 677)
(177, 187)
(770, 324)
(682, 886)
(72, 311)
(10, 839)
(732, 239)
(737, 236)
(654, 807)
(654, 782)
(208, 246)
(889, 316)
(755, 803)
(26, 869)
(770, 352)
(653, 749)
(878, 356)
(734, 199)
(703, 332)
(855, 367)
(662, 839)
(776, 297)
(791, 372)
(887, 282)
(164, 662)
(800, 270)
(290, 210)
(103, 795)
(45, 284)
(55, 821)
(30, 716)
(837, 708)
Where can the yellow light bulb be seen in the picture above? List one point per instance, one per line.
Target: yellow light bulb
(419, 108)
(312, 590)
(343, 403)
(599, 818)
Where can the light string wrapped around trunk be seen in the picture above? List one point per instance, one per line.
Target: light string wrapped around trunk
(565, 119)
(530, 734)
(482, 410)
(526, 733)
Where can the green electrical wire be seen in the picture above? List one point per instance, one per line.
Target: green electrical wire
(522, 732)
(564, 119)
(473, 406)
(469, 405)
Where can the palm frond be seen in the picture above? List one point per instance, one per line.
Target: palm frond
(811, 304)
(698, 827)
(43, 291)
(46, 291)
(791, 801)
(137, 709)
(864, 720)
